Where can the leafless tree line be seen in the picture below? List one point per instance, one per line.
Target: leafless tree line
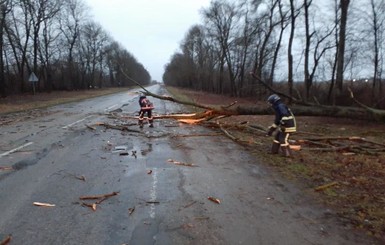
(313, 49)
(59, 42)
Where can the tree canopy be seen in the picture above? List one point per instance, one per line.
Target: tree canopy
(311, 49)
(59, 42)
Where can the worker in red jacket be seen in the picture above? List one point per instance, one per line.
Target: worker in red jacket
(284, 124)
(145, 107)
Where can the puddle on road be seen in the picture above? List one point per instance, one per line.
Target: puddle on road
(130, 150)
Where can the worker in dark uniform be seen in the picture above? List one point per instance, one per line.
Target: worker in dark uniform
(284, 124)
(145, 107)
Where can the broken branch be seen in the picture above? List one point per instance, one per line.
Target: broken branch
(131, 210)
(99, 196)
(182, 163)
(6, 240)
(5, 168)
(213, 199)
(323, 187)
(42, 204)
(92, 206)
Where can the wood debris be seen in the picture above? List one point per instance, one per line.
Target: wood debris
(323, 187)
(6, 240)
(213, 199)
(90, 127)
(190, 204)
(191, 121)
(82, 178)
(90, 205)
(152, 202)
(181, 163)
(43, 204)
(5, 168)
(295, 147)
(346, 145)
(131, 210)
(99, 196)
(100, 199)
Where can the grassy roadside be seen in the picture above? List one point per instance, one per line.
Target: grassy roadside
(349, 182)
(25, 102)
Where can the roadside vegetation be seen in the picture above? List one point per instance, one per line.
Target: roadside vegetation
(29, 101)
(341, 161)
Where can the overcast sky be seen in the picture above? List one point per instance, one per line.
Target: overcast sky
(151, 30)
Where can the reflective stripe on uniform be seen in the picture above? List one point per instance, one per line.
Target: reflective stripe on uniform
(286, 140)
(290, 130)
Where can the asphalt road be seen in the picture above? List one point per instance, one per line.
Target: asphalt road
(56, 159)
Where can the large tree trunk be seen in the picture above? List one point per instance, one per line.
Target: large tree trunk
(300, 108)
(344, 5)
(3, 13)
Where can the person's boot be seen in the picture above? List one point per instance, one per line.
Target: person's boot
(275, 148)
(140, 124)
(151, 123)
(286, 151)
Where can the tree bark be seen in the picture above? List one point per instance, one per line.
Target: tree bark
(344, 5)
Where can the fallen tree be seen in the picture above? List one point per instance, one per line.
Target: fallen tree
(299, 107)
(307, 109)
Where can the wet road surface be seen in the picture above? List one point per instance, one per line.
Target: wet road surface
(57, 159)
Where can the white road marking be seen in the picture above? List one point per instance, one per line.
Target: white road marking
(16, 149)
(81, 120)
(153, 193)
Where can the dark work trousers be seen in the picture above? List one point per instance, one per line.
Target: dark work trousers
(282, 138)
(149, 116)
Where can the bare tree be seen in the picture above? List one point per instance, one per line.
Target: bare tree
(40, 11)
(316, 43)
(92, 43)
(221, 18)
(377, 24)
(48, 49)
(344, 6)
(267, 30)
(308, 37)
(18, 33)
(293, 16)
(334, 61)
(5, 8)
(283, 22)
(192, 49)
(72, 17)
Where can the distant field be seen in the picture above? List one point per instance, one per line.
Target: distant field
(16, 103)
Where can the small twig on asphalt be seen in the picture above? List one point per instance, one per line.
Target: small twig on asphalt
(190, 204)
(5, 168)
(99, 196)
(182, 163)
(131, 210)
(6, 240)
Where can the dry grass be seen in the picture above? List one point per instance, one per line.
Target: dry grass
(25, 102)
